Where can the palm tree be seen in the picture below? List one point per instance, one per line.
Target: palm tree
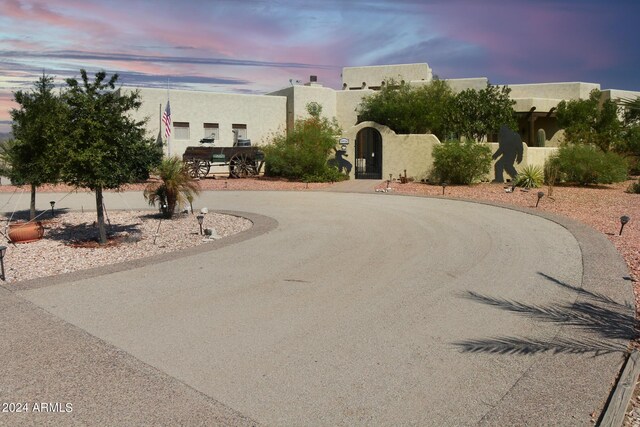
(175, 187)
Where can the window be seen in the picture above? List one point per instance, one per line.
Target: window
(239, 130)
(181, 130)
(211, 130)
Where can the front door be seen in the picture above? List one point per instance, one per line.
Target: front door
(369, 154)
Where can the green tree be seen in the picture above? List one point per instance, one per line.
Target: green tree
(408, 109)
(473, 114)
(38, 127)
(175, 187)
(631, 110)
(303, 152)
(106, 147)
(588, 121)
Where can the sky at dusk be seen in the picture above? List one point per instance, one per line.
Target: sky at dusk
(255, 46)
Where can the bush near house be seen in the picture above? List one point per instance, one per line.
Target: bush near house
(302, 153)
(456, 162)
(586, 164)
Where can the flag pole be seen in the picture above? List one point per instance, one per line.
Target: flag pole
(168, 137)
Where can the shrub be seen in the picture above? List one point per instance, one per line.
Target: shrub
(302, 153)
(458, 162)
(531, 176)
(175, 187)
(584, 165)
(634, 187)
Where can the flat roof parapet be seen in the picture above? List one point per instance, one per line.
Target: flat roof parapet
(374, 76)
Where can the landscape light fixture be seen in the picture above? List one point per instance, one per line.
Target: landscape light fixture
(540, 196)
(200, 219)
(444, 185)
(3, 250)
(623, 220)
(53, 203)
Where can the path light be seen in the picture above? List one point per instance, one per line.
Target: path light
(53, 203)
(540, 196)
(444, 185)
(3, 250)
(623, 220)
(200, 219)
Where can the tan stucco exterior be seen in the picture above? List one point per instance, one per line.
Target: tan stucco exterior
(374, 76)
(413, 153)
(265, 115)
(399, 152)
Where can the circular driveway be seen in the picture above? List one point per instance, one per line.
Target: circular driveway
(369, 309)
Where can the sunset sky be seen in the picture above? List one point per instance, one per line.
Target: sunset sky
(255, 46)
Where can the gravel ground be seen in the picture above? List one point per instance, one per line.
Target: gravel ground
(70, 241)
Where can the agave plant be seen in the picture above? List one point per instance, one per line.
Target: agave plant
(176, 186)
(530, 176)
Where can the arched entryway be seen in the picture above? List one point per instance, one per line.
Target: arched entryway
(368, 154)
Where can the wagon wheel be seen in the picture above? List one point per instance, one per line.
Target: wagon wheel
(241, 166)
(192, 167)
(203, 168)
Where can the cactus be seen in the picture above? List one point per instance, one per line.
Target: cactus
(542, 137)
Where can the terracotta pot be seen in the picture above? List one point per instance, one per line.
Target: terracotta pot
(25, 232)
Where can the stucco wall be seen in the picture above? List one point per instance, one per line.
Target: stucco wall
(354, 77)
(569, 90)
(262, 114)
(399, 152)
(531, 156)
(458, 85)
(346, 103)
(414, 153)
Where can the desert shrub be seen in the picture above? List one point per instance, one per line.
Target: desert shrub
(456, 162)
(175, 188)
(634, 187)
(302, 153)
(531, 176)
(584, 165)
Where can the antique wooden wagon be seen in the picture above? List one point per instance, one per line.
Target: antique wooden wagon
(242, 159)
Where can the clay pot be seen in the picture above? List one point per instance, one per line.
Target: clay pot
(25, 232)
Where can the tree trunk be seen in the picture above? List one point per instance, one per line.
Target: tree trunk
(32, 207)
(100, 209)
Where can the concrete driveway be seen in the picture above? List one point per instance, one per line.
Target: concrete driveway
(352, 309)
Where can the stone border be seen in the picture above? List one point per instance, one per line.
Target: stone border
(261, 225)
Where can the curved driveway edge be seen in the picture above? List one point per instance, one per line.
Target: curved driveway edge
(408, 325)
(605, 279)
(261, 225)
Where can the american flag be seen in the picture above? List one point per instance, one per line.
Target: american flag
(166, 119)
